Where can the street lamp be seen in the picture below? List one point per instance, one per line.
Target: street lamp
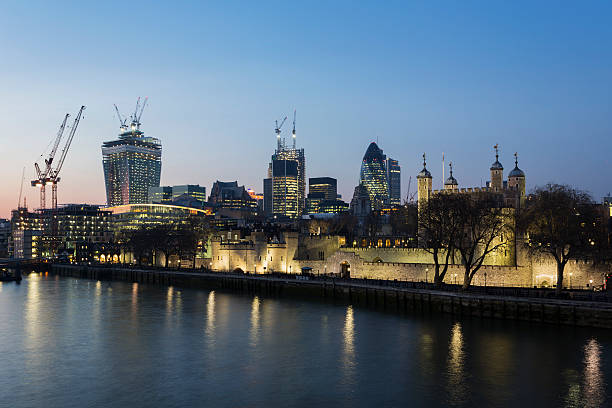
(426, 272)
(591, 282)
(455, 279)
(570, 276)
(485, 274)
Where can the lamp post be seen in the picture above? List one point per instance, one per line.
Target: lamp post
(570, 282)
(426, 272)
(485, 274)
(591, 283)
(455, 279)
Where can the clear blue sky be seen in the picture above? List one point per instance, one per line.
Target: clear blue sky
(454, 77)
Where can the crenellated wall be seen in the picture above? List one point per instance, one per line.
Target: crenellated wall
(259, 255)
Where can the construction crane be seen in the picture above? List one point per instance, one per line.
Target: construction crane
(54, 172)
(43, 175)
(135, 125)
(122, 125)
(293, 132)
(21, 187)
(277, 130)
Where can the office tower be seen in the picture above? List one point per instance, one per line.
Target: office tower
(374, 177)
(132, 164)
(267, 201)
(394, 181)
(287, 184)
(320, 189)
(326, 185)
(285, 188)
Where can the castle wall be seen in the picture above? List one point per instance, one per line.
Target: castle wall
(408, 264)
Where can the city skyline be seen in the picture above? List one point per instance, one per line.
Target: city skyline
(404, 82)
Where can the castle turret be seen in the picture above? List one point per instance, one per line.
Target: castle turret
(497, 173)
(516, 179)
(451, 184)
(424, 181)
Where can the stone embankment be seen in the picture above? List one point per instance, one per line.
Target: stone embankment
(386, 294)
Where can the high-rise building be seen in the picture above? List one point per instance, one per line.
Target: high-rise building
(326, 185)
(374, 176)
(288, 181)
(394, 180)
(285, 188)
(132, 164)
(320, 189)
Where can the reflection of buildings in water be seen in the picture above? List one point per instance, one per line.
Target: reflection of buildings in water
(349, 332)
(426, 347)
(169, 297)
(456, 373)
(210, 316)
(32, 311)
(572, 379)
(348, 357)
(593, 377)
(134, 308)
(97, 303)
(254, 321)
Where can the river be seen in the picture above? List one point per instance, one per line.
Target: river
(68, 342)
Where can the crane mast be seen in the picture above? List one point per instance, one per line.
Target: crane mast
(54, 173)
(43, 176)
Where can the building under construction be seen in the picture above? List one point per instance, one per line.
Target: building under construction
(286, 182)
(132, 163)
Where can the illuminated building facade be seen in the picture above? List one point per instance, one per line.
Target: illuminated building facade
(5, 233)
(231, 196)
(280, 176)
(285, 188)
(160, 195)
(373, 176)
(394, 179)
(133, 216)
(48, 232)
(333, 206)
(188, 195)
(132, 164)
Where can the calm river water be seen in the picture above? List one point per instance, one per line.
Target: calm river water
(80, 343)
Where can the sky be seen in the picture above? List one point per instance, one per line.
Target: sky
(435, 77)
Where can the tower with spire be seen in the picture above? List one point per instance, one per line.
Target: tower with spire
(424, 181)
(497, 173)
(451, 184)
(516, 180)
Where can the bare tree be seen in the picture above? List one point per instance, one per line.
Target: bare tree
(484, 229)
(560, 222)
(438, 226)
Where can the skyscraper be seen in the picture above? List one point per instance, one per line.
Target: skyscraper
(285, 188)
(132, 164)
(287, 174)
(394, 180)
(374, 176)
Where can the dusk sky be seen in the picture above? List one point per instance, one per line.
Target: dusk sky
(455, 78)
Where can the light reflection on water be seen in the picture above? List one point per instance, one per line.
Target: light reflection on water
(200, 348)
(456, 370)
(593, 378)
(254, 321)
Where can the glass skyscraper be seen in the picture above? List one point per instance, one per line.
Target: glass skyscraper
(394, 180)
(132, 164)
(374, 176)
